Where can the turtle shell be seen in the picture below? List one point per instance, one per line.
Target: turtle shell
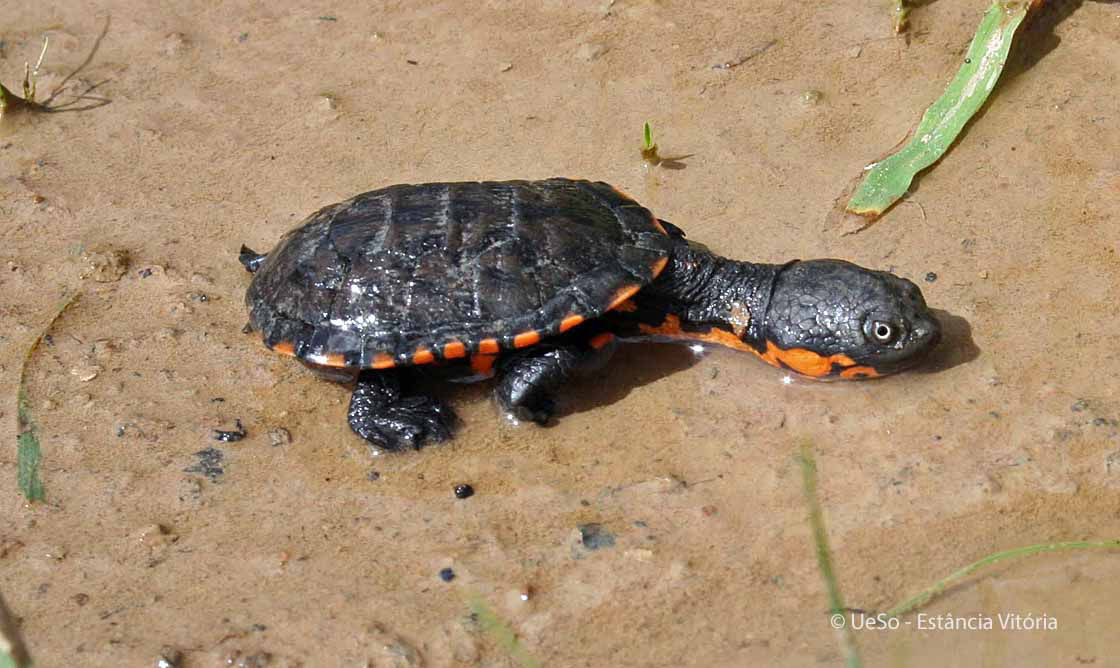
(414, 274)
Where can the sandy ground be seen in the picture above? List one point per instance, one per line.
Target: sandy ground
(229, 122)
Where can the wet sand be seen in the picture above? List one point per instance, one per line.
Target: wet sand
(229, 124)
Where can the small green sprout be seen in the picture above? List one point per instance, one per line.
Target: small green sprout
(649, 149)
(10, 102)
(8, 99)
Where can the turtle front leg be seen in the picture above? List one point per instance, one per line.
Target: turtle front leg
(383, 415)
(529, 378)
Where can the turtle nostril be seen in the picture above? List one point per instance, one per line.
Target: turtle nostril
(931, 333)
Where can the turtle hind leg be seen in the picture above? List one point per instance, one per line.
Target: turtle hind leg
(529, 378)
(383, 415)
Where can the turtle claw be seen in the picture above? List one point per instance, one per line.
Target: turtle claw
(525, 390)
(529, 379)
(539, 411)
(391, 422)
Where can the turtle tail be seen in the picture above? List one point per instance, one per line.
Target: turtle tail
(251, 260)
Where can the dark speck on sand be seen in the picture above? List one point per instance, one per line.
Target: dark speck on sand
(230, 436)
(209, 464)
(594, 536)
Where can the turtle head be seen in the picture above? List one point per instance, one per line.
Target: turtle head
(830, 318)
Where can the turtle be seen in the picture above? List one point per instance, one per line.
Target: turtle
(536, 282)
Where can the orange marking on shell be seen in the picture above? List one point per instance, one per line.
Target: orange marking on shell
(623, 293)
(454, 350)
(659, 266)
(570, 322)
(600, 340)
(658, 225)
(423, 356)
(488, 346)
(285, 348)
(383, 361)
(483, 365)
(334, 360)
(526, 339)
(623, 194)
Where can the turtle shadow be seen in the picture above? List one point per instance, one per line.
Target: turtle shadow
(639, 364)
(634, 365)
(957, 346)
(676, 162)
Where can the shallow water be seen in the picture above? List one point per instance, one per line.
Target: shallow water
(229, 124)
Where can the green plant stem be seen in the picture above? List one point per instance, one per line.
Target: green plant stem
(502, 634)
(824, 555)
(926, 596)
(29, 453)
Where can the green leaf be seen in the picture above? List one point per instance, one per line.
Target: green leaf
(28, 458)
(28, 453)
(890, 178)
(501, 633)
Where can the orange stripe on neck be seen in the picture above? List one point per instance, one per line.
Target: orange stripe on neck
(806, 362)
(803, 361)
(671, 328)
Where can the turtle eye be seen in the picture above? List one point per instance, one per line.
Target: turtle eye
(882, 332)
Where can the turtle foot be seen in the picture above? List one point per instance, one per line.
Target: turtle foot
(389, 421)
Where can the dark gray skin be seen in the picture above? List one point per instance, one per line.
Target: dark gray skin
(830, 307)
(833, 307)
(444, 275)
